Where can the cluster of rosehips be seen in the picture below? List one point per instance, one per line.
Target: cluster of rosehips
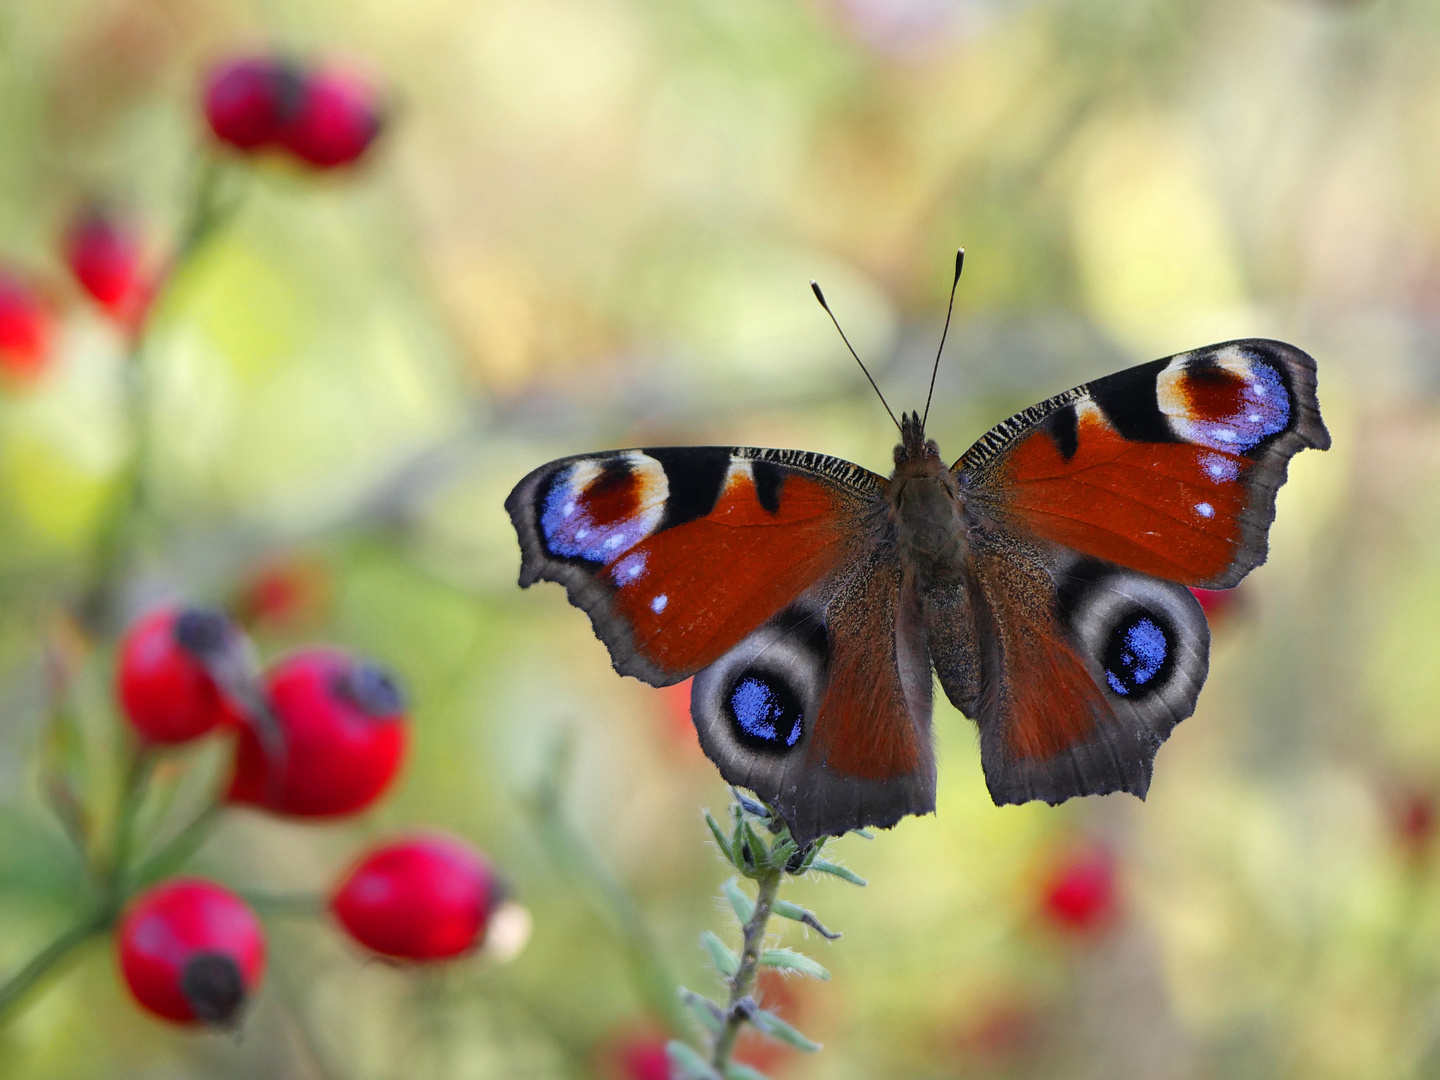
(104, 254)
(323, 115)
(319, 734)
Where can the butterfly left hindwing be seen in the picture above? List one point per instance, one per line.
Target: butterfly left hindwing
(766, 572)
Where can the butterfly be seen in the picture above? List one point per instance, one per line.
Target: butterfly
(1042, 577)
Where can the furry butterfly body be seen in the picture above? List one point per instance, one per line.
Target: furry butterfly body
(1042, 577)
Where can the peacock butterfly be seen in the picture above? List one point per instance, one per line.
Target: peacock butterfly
(1043, 576)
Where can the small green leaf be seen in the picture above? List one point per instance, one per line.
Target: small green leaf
(743, 905)
(686, 1063)
(782, 850)
(736, 1071)
(786, 910)
(724, 959)
(760, 854)
(825, 866)
(725, 848)
(864, 834)
(710, 1015)
(790, 960)
(776, 1028)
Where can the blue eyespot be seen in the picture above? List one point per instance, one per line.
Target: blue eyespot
(1139, 650)
(765, 712)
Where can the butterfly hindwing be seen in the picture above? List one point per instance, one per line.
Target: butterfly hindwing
(680, 552)
(1082, 668)
(1169, 468)
(824, 711)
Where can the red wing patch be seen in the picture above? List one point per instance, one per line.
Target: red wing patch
(690, 593)
(1167, 509)
(864, 727)
(1169, 468)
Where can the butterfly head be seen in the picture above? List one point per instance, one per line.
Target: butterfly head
(915, 450)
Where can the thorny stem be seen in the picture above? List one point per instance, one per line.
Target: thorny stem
(741, 1003)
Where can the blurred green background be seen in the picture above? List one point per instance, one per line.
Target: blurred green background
(592, 223)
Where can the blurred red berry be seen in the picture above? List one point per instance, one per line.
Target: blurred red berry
(248, 101)
(1216, 602)
(342, 736)
(191, 951)
(285, 591)
(104, 255)
(1413, 820)
(1080, 895)
(338, 117)
(634, 1052)
(420, 898)
(163, 675)
(997, 1032)
(26, 329)
(644, 1059)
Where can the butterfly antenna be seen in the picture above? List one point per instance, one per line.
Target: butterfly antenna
(815, 287)
(959, 265)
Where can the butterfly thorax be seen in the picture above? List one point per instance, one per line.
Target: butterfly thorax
(925, 506)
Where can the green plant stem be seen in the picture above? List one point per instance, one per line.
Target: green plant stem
(285, 905)
(180, 847)
(132, 795)
(743, 982)
(15, 989)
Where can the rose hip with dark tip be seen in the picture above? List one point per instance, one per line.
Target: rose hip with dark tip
(191, 952)
(342, 735)
(338, 117)
(164, 678)
(249, 100)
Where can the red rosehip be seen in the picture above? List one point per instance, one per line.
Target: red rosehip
(642, 1057)
(249, 101)
(191, 951)
(104, 255)
(342, 736)
(1080, 895)
(26, 329)
(164, 674)
(1412, 816)
(419, 898)
(285, 592)
(337, 119)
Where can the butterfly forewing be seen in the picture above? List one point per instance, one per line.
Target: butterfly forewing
(677, 553)
(1169, 468)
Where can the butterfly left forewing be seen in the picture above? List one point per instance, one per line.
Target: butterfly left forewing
(677, 553)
